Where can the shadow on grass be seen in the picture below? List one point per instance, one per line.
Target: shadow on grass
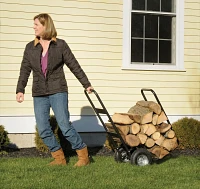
(164, 159)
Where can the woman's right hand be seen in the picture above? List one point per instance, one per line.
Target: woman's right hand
(20, 97)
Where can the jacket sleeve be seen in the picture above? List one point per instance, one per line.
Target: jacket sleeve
(73, 65)
(25, 71)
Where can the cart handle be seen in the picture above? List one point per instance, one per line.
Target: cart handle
(156, 97)
(98, 97)
(151, 90)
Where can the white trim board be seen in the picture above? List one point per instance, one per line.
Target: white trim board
(26, 124)
(179, 55)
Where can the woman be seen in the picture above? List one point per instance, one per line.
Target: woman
(45, 57)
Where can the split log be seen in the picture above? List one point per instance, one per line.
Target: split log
(155, 136)
(134, 128)
(163, 153)
(158, 151)
(155, 150)
(135, 117)
(151, 129)
(142, 137)
(144, 128)
(170, 144)
(161, 118)
(164, 127)
(116, 139)
(145, 113)
(123, 129)
(154, 119)
(149, 142)
(132, 140)
(170, 134)
(121, 119)
(160, 140)
(155, 107)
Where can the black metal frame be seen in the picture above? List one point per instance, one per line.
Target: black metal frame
(104, 111)
(156, 97)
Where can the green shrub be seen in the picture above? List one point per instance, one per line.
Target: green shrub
(4, 140)
(58, 134)
(188, 132)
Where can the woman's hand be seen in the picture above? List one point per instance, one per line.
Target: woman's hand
(89, 89)
(20, 97)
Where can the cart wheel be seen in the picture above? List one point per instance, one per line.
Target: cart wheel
(141, 157)
(121, 156)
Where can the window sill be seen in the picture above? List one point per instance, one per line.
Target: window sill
(146, 67)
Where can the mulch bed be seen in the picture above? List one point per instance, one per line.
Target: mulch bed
(100, 151)
(33, 152)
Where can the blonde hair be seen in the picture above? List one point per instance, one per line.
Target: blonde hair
(50, 30)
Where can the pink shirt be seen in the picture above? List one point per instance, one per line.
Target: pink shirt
(44, 61)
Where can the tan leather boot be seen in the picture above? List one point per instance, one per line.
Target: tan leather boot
(59, 158)
(83, 158)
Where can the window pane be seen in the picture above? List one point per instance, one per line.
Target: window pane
(137, 25)
(165, 31)
(136, 50)
(166, 5)
(151, 26)
(165, 51)
(138, 4)
(151, 51)
(153, 5)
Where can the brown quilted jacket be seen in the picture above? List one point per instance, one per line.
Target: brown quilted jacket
(59, 54)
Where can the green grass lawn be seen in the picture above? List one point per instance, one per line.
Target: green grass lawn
(182, 172)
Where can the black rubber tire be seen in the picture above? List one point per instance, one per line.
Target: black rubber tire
(119, 156)
(141, 157)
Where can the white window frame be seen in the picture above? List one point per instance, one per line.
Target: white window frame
(179, 55)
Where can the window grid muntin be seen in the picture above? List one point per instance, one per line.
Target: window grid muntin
(160, 13)
(172, 4)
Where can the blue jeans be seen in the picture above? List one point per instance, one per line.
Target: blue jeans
(59, 104)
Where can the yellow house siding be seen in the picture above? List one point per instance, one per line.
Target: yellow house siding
(192, 47)
(87, 26)
(93, 30)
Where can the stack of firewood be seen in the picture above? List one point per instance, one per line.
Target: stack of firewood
(145, 124)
